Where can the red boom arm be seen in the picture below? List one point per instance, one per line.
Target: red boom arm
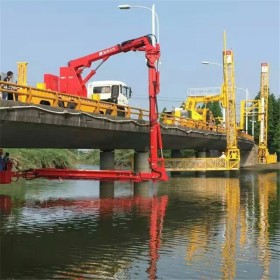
(71, 80)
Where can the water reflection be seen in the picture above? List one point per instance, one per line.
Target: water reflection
(186, 228)
(267, 192)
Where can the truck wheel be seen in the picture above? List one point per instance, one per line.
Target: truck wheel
(121, 113)
(61, 104)
(71, 105)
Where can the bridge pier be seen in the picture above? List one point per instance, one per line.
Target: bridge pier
(249, 158)
(141, 164)
(107, 161)
(143, 189)
(141, 161)
(213, 153)
(201, 154)
(106, 189)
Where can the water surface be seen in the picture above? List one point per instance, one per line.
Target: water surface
(194, 227)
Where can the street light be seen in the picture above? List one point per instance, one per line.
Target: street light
(212, 63)
(253, 126)
(154, 15)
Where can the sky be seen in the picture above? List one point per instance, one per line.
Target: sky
(48, 34)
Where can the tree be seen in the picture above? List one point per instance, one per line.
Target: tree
(216, 110)
(273, 126)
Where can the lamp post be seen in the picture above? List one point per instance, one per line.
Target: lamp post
(211, 63)
(154, 17)
(205, 62)
(253, 126)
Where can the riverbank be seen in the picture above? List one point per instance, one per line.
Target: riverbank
(42, 158)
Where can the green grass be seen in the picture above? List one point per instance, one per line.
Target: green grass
(42, 158)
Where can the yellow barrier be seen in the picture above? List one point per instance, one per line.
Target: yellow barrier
(41, 96)
(170, 119)
(271, 158)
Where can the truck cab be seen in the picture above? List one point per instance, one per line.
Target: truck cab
(109, 91)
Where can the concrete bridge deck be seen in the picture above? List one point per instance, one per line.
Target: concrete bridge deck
(29, 126)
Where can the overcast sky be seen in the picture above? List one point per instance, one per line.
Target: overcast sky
(47, 34)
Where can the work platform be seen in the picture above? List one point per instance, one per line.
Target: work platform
(199, 164)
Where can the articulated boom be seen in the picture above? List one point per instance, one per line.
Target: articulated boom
(71, 80)
(192, 101)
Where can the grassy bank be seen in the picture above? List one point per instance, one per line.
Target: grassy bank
(61, 158)
(42, 158)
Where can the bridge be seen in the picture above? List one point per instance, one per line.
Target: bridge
(39, 126)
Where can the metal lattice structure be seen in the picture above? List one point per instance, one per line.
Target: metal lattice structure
(263, 155)
(199, 164)
(232, 151)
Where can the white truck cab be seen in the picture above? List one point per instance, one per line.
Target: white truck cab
(110, 91)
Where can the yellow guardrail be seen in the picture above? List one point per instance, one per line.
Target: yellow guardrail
(170, 119)
(268, 159)
(265, 157)
(39, 96)
(200, 164)
(271, 158)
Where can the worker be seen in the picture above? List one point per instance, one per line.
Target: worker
(223, 155)
(9, 79)
(1, 160)
(6, 161)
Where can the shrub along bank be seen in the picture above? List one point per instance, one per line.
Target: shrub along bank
(42, 158)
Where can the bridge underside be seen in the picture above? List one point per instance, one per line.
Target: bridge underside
(24, 126)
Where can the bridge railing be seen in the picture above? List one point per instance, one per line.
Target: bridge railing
(170, 119)
(40, 96)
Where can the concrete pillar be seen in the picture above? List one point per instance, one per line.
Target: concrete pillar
(249, 158)
(141, 164)
(176, 154)
(201, 154)
(141, 161)
(107, 160)
(142, 189)
(213, 153)
(106, 189)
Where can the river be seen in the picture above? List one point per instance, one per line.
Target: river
(197, 226)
